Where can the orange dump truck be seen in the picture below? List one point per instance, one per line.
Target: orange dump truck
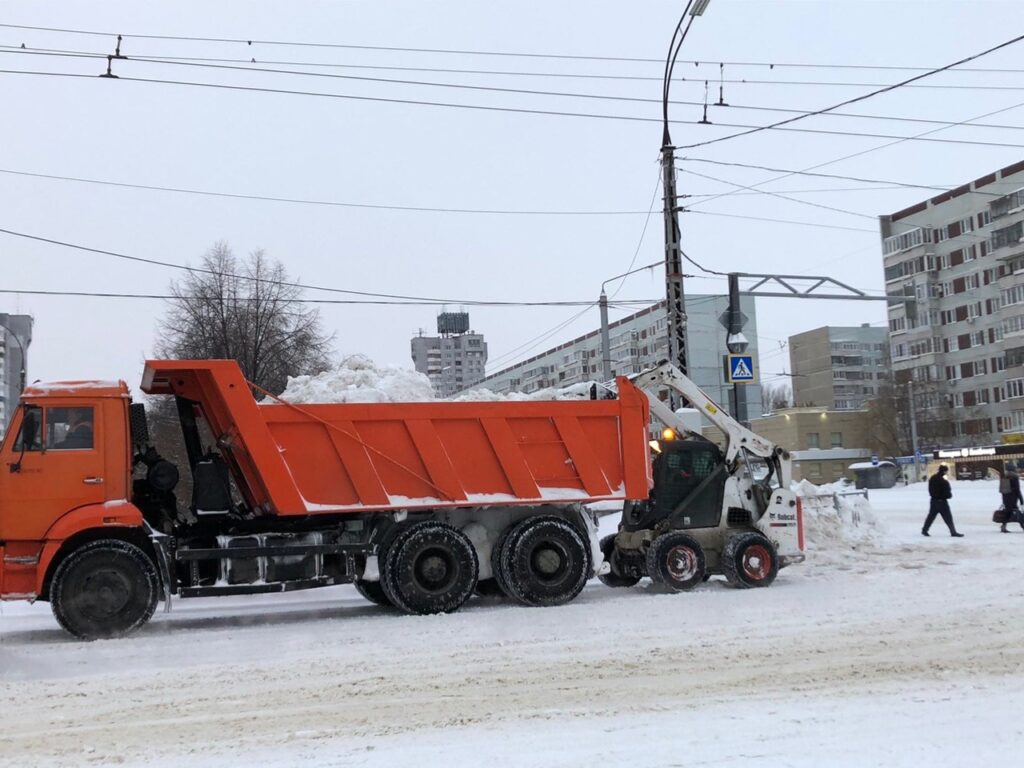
(417, 504)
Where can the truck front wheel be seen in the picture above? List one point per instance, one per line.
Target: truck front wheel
(675, 561)
(372, 591)
(431, 568)
(546, 561)
(749, 560)
(107, 588)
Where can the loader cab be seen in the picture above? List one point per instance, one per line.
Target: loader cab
(689, 482)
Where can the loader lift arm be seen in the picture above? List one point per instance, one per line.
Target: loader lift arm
(738, 437)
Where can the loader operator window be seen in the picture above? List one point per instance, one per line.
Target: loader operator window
(69, 428)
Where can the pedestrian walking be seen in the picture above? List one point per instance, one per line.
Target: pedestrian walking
(940, 493)
(1009, 487)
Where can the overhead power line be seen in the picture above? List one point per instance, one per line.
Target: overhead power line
(380, 302)
(862, 97)
(290, 284)
(862, 152)
(251, 67)
(937, 188)
(774, 220)
(490, 108)
(469, 52)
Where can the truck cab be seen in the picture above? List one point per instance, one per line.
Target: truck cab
(65, 466)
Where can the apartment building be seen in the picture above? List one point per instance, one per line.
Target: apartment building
(453, 360)
(15, 337)
(954, 271)
(839, 368)
(640, 341)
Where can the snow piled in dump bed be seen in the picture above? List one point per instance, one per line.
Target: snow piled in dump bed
(357, 379)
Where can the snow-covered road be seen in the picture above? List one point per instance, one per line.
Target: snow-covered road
(897, 652)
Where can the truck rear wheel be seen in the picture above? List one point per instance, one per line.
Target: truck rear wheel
(546, 561)
(373, 591)
(613, 578)
(107, 588)
(749, 560)
(499, 559)
(676, 561)
(431, 568)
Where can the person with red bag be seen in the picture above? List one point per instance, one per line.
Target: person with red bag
(1009, 487)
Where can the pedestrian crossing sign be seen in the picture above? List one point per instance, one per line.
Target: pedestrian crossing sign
(739, 369)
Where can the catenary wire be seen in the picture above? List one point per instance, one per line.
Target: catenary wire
(515, 54)
(492, 108)
(862, 97)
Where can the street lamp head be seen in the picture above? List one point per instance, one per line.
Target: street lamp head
(737, 343)
(699, 7)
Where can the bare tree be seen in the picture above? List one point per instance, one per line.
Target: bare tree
(775, 397)
(246, 310)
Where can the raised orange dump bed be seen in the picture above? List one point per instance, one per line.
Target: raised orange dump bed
(329, 458)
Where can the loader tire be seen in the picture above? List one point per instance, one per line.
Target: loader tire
(374, 592)
(749, 560)
(106, 588)
(613, 578)
(547, 561)
(431, 568)
(675, 561)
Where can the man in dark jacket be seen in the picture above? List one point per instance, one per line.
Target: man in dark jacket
(1009, 487)
(940, 493)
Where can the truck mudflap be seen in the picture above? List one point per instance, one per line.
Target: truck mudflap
(783, 524)
(161, 545)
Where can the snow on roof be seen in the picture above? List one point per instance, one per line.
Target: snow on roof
(869, 465)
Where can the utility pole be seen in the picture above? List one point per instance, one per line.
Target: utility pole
(675, 297)
(913, 429)
(736, 343)
(606, 352)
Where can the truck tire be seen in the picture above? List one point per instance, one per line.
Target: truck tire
(749, 560)
(374, 592)
(546, 562)
(613, 578)
(431, 568)
(499, 561)
(675, 561)
(106, 588)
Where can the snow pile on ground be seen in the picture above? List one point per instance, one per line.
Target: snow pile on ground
(837, 518)
(357, 379)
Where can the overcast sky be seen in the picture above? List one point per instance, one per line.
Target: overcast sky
(371, 152)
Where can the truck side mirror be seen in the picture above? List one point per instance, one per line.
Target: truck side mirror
(29, 431)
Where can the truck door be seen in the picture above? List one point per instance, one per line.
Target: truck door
(62, 469)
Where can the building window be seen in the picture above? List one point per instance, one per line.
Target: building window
(812, 440)
(837, 439)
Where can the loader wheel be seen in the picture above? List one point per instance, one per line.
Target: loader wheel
(676, 561)
(431, 568)
(546, 561)
(749, 560)
(107, 588)
(374, 592)
(613, 578)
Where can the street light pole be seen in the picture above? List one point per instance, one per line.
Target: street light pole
(606, 351)
(913, 429)
(675, 297)
(21, 348)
